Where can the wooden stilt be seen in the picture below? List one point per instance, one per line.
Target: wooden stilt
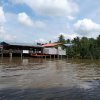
(54, 56)
(58, 56)
(45, 57)
(21, 55)
(67, 57)
(10, 56)
(2, 53)
(50, 57)
(61, 56)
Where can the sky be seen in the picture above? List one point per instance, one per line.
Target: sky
(44, 20)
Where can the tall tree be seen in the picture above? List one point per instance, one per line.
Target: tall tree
(98, 40)
(61, 39)
(68, 40)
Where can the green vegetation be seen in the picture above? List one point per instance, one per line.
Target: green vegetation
(85, 48)
(61, 39)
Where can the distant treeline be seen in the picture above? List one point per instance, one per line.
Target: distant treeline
(85, 48)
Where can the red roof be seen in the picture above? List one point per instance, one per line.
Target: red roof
(51, 44)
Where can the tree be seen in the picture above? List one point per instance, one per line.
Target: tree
(50, 41)
(68, 40)
(61, 39)
(76, 42)
(98, 40)
(83, 47)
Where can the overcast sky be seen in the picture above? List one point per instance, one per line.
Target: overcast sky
(44, 20)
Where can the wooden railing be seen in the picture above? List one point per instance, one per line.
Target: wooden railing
(17, 51)
(11, 51)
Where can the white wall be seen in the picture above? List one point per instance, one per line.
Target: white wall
(55, 51)
(50, 51)
(61, 52)
(26, 51)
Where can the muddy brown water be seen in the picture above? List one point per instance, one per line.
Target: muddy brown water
(45, 79)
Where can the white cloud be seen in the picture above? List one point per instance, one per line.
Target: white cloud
(4, 35)
(2, 30)
(2, 15)
(66, 36)
(51, 7)
(24, 19)
(41, 40)
(39, 24)
(87, 24)
(86, 27)
(70, 17)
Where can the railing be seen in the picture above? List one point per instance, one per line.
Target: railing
(11, 51)
(18, 51)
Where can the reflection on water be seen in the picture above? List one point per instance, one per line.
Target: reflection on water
(45, 79)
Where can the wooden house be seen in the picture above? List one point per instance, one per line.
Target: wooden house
(54, 49)
(20, 48)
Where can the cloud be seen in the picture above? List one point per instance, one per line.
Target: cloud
(4, 35)
(70, 17)
(2, 15)
(51, 7)
(86, 27)
(66, 36)
(24, 19)
(39, 24)
(2, 30)
(41, 40)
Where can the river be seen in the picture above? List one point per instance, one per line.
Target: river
(49, 79)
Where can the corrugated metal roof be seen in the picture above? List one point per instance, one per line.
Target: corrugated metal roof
(68, 44)
(51, 44)
(22, 44)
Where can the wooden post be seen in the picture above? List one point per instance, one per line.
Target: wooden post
(50, 57)
(67, 57)
(61, 56)
(58, 56)
(45, 57)
(21, 55)
(54, 56)
(2, 53)
(10, 55)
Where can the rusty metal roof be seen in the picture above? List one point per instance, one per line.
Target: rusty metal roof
(51, 44)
